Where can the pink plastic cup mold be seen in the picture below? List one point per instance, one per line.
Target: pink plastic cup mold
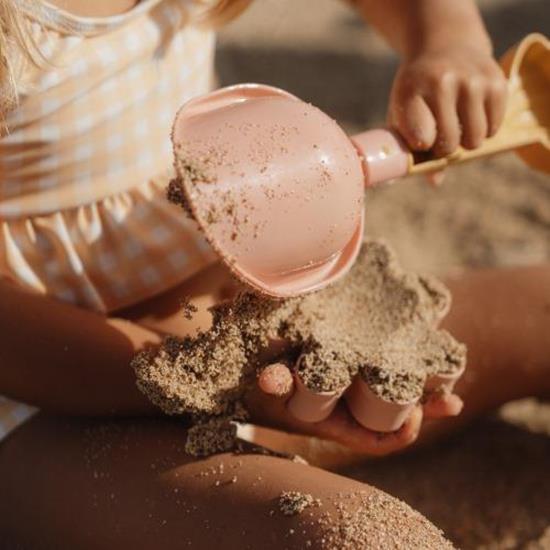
(310, 406)
(373, 412)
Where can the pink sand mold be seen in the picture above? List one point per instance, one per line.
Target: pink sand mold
(443, 382)
(373, 412)
(310, 406)
(365, 406)
(369, 409)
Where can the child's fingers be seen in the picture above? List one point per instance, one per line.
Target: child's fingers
(471, 112)
(380, 444)
(495, 104)
(276, 380)
(341, 427)
(414, 120)
(442, 406)
(443, 103)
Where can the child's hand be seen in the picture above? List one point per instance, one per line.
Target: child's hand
(444, 98)
(275, 387)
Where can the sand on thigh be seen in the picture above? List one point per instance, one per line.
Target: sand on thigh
(72, 483)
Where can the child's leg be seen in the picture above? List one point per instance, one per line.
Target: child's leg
(503, 315)
(129, 484)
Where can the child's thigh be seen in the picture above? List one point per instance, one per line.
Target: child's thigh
(129, 484)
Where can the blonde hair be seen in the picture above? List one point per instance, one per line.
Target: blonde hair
(16, 41)
(16, 45)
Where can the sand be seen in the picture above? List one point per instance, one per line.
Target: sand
(367, 525)
(351, 520)
(211, 437)
(378, 321)
(292, 503)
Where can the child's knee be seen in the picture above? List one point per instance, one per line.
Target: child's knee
(265, 502)
(130, 484)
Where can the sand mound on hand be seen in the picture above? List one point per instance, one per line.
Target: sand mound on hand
(378, 322)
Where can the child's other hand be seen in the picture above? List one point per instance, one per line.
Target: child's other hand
(448, 97)
(275, 387)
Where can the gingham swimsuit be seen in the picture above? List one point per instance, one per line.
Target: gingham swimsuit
(85, 162)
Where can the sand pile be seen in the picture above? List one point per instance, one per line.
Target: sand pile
(378, 322)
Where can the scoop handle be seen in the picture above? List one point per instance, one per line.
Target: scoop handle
(422, 163)
(385, 155)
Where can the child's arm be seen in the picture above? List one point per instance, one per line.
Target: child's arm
(448, 91)
(65, 359)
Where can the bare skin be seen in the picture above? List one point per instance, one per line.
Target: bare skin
(72, 478)
(129, 484)
(504, 317)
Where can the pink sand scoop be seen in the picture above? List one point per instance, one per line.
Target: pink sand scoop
(284, 203)
(281, 194)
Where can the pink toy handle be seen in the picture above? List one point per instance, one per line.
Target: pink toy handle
(384, 154)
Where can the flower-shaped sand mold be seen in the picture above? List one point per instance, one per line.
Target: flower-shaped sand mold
(371, 337)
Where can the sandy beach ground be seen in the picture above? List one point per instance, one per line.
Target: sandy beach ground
(488, 486)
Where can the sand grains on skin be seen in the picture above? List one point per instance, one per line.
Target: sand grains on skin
(292, 503)
(368, 521)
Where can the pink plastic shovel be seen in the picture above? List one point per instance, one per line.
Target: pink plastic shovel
(277, 186)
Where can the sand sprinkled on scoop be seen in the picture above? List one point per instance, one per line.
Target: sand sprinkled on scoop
(292, 503)
(191, 171)
(175, 193)
(378, 321)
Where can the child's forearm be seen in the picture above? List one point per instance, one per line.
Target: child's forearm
(413, 26)
(65, 359)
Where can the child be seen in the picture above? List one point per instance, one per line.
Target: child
(94, 262)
